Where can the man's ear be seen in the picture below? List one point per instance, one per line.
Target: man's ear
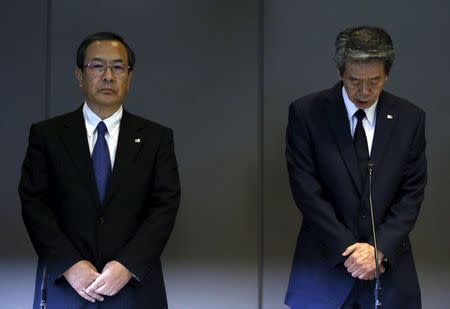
(79, 76)
(130, 77)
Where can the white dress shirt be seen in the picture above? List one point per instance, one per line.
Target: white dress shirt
(112, 123)
(368, 121)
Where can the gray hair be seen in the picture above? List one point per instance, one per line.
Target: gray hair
(364, 44)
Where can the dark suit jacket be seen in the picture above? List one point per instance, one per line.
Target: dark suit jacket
(67, 223)
(327, 188)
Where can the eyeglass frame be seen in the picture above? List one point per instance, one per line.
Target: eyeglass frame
(107, 66)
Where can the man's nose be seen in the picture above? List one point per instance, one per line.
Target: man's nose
(108, 75)
(365, 89)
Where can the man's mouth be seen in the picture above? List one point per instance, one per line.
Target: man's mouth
(107, 90)
(362, 102)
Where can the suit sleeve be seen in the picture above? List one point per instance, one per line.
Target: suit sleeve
(146, 247)
(392, 233)
(49, 241)
(318, 213)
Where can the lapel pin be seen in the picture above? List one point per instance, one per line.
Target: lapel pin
(137, 140)
(389, 116)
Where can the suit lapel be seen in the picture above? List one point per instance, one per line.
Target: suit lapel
(129, 143)
(338, 119)
(73, 136)
(386, 120)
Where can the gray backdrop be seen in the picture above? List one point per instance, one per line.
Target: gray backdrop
(221, 74)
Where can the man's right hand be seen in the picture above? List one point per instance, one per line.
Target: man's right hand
(360, 262)
(80, 276)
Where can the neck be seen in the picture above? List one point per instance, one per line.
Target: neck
(103, 111)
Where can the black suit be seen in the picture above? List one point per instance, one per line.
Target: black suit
(327, 187)
(67, 223)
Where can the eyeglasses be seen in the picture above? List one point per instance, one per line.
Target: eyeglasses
(97, 68)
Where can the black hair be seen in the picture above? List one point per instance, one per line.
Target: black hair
(103, 36)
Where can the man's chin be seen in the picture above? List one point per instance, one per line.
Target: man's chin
(107, 98)
(106, 102)
(363, 104)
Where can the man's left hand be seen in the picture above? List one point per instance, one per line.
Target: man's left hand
(113, 278)
(360, 262)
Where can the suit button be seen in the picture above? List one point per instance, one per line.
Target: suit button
(363, 217)
(101, 220)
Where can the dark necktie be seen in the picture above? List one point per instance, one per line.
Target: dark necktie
(101, 161)
(360, 143)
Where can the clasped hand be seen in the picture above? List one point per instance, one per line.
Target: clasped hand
(91, 285)
(360, 261)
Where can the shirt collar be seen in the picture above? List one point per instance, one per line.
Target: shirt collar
(352, 109)
(91, 120)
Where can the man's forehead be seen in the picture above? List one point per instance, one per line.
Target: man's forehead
(110, 50)
(364, 70)
(106, 59)
(106, 43)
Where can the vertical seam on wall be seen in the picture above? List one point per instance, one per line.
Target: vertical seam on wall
(261, 150)
(48, 62)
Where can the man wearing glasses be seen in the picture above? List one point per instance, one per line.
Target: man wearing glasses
(100, 191)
